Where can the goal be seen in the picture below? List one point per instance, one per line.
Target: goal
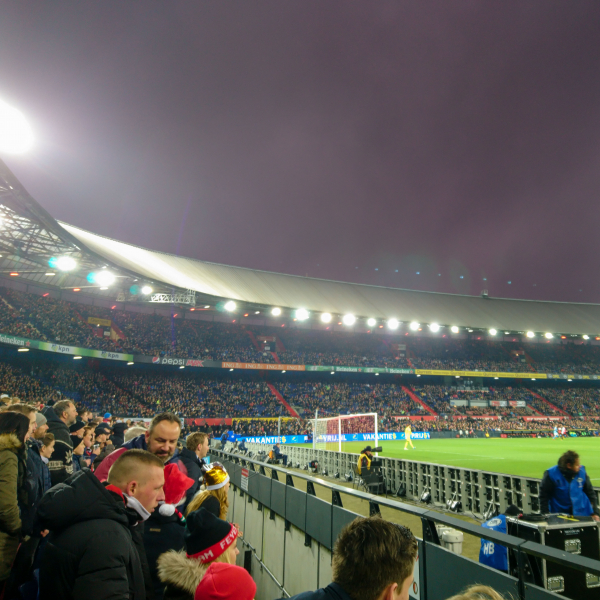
(334, 433)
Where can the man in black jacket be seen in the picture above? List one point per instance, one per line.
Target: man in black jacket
(192, 457)
(60, 417)
(94, 550)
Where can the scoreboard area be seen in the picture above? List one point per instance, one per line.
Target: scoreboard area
(528, 457)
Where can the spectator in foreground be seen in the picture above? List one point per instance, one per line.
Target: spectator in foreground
(214, 498)
(207, 540)
(372, 559)
(225, 582)
(478, 592)
(60, 417)
(14, 429)
(93, 549)
(192, 457)
(160, 440)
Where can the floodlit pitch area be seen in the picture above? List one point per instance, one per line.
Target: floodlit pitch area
(515, 456)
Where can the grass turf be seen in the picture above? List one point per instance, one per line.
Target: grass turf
(516, 456)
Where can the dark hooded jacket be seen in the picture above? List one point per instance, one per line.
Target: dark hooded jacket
(332, 592)
(61, 463)
(193, 469)
(90, 553)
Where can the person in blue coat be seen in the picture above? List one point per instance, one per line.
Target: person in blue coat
(567, 488)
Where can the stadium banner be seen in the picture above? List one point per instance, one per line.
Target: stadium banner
(370, 437)
(97, 321)
(481, 374)
(498, 403)
(262, 366)
(177, 362)
(273, 439)
(565, 376)
(356, 369)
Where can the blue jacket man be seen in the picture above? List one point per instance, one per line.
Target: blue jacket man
(567, 488)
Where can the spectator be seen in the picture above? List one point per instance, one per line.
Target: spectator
(225, 582)
(214, 498)
(94, 549)
(46, 451)
(42, 426)
(78, 447)
(389, 550)
(133, 432)
(478, 592)
(277, 455)
(208, 540)
(103, 446)
(14, 431)
(60, 417)
(192, 457)
(165, 527)
(160, 439)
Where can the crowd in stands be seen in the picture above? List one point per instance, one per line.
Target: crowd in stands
(51, 319)
(578, 401)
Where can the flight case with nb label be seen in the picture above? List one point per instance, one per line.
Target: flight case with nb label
(577, 535)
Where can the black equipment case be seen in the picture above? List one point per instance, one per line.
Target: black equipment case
(577, 535)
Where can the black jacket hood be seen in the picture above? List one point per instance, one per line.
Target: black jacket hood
(82, 497)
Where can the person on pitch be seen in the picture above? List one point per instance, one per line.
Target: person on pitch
(407, 436)
(567, 488)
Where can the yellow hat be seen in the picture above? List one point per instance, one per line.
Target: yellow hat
(216, 477)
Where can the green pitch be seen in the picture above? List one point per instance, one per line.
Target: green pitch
(515, 456)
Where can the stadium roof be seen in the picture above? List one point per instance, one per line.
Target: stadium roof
(29, 236)
(319, 295)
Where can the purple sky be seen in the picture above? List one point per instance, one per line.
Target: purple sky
(361, 141)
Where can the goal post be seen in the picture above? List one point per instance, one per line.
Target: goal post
(334, 433)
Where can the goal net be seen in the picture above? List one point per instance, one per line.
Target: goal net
(335, 433)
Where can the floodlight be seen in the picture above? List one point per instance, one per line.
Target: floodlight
(434, 327)
(16, 135)
(348, 320)
(548, 336)
(276, 311)
(393, 324)
(102, 278)
(414, 325)
(62, 263)
(146, 290)
(493, 332)
(229, 306)
(302, 314)
(530, 334)
(371, 322)
(586, 337)
(454, 329)
(326, 317)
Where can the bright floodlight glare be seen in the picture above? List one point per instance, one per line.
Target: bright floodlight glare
(548, 336)
(434, 327)
(146, 290)
(276, 311)
(414, 325)
(454, 329)
(65, 263)
(586, 337)
(348, 320)
(104, 278)
(393, 323)
(493, 332)
(371, 322)
(326, 317)
(16, 135)
(229, 306)
(530, 334)
(302, 314)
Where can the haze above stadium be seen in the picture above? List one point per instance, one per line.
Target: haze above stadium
(433, 146)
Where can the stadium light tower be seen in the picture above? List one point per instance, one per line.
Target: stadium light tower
(146, 290)
(276, 311)
(229, 306)
(530, 334)
(348, 320)
(434, 327)
(414, 326)
(393, 324)
(326, 318)
(302, 314)
(548, 336)
(454, 329)
(16, 136)
(371, 322)
(493, 332)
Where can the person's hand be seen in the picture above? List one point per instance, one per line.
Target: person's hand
(45, 532)
(596, 517)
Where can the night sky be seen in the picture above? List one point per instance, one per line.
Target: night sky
(424, 145)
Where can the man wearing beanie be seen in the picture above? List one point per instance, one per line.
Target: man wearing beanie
(207, 540)
(389, 550)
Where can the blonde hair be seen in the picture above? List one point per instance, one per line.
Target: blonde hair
(478, 592)
(220, 495)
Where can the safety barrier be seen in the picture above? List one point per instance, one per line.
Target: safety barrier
(289, 534)
(482, 493)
